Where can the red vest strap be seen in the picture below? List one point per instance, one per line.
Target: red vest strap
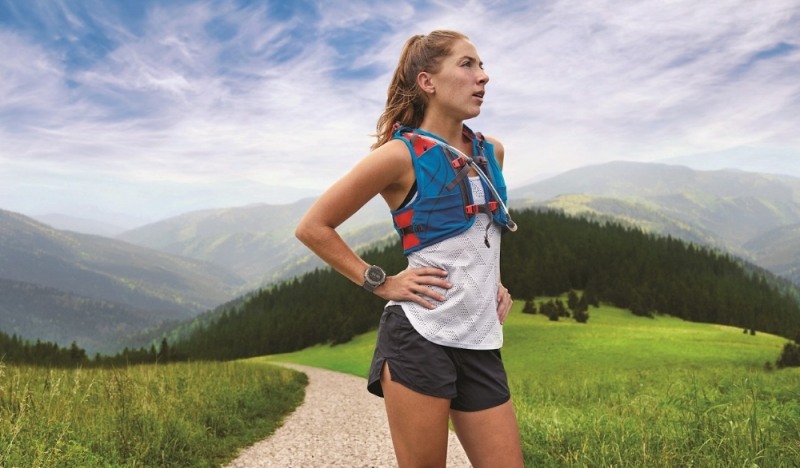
(421, 145)
(403, 222)
(491, 207)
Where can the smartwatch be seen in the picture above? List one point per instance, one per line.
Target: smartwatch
(374, 276)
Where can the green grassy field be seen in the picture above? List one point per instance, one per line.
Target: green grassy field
(188, 414)
(618, 391)
(623, 390)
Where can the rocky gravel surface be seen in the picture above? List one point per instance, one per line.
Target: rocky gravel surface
(339, 424)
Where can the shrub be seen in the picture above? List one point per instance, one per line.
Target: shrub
(581, 315)
(529, 308)
(790, 356)
(550, 309)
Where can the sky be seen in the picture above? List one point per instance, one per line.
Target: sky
(134, 111)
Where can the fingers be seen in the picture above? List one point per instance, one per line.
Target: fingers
(422, 301)
(436, 275)
(503, 303)
(419, 285)
(426, 285)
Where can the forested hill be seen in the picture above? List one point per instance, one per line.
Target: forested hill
(750, 215)
(550, 254)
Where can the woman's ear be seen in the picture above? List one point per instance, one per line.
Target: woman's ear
(425, 83)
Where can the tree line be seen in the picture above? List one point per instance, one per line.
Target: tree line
(645, 273)
(14, 349)
(551, 254)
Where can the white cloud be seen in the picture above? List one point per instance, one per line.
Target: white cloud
(264, 103)
(585, 83)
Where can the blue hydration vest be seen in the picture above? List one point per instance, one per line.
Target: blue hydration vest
(444, 206)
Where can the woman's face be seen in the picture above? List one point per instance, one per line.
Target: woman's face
(459, 85)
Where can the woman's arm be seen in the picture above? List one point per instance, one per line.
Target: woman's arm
(499, 150)
(387, 171)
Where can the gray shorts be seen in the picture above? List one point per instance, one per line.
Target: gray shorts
(472, 380)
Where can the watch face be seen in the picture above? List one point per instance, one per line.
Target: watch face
(375, 275)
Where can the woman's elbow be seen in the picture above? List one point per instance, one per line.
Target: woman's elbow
(310, 232)
(303, 232)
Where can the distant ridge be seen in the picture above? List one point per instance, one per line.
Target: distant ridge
(722, 208)
(38, 312)
(779, 161)
(82, 225)
(256, 241)
(38, 260)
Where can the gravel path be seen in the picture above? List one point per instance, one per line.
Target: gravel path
(338, 424)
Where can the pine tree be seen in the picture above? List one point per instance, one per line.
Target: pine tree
(572, 299)
(550, 309)
(581, 310)
(790, 356)
(529, 307)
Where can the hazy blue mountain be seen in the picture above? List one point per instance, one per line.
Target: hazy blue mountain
(38, 312)
(102, 273)
(255, 241)
(778, 250)
(82, 225)
(727, 209)
(781, 161)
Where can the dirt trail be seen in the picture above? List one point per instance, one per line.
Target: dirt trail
(338, 424)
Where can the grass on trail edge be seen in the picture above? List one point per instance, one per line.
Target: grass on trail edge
(195, 414)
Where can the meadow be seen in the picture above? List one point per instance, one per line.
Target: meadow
(618, 391)
(627, 391)
(181, 414)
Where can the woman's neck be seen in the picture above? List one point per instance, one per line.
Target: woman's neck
(449, 129)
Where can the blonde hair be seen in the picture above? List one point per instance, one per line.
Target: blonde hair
(405, 102)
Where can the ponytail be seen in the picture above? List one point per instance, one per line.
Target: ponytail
(405, 102)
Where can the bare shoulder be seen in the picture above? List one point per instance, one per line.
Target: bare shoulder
(390, 162)
(383, 165)
(395, 151)
(499, 150)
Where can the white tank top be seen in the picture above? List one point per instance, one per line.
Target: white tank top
(467, 318)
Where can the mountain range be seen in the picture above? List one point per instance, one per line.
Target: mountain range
(63, 286)
(256, 241)
(754, 216)
(783, 161)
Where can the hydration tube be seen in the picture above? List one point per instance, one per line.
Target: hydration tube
(511, 225)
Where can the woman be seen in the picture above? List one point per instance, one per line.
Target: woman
(437, 357)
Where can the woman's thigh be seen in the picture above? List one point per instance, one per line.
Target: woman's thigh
(418, 424)
(490, 437)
